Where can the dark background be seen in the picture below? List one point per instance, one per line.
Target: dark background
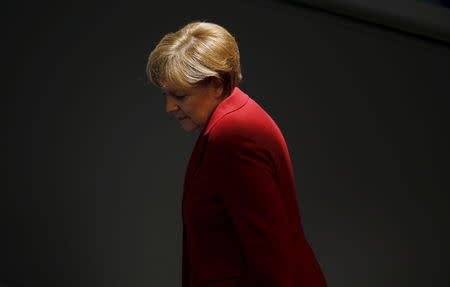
(95, 166)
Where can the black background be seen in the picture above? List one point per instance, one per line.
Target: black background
(95, 166)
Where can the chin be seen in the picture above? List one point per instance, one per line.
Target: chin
(191, 128)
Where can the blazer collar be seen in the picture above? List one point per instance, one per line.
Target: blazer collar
(234, 101)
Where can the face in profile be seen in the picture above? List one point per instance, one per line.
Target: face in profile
(192, 107)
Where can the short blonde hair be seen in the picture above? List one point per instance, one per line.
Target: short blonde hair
(194, 55)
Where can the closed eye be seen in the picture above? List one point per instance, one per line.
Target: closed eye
(173, 96)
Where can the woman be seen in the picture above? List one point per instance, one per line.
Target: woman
(241, 222)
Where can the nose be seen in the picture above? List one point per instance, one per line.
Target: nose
(171, 106)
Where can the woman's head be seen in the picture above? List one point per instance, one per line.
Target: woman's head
(194, 53)
(200, 58)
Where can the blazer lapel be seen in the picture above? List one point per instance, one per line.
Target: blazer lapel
(194, 163)
(196, 157)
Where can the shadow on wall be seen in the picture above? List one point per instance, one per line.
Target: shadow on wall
(425, 18)
(445, 3)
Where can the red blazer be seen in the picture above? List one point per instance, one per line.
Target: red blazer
(241, 221)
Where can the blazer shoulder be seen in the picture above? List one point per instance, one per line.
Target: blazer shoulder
(250, 122)
(233, 127)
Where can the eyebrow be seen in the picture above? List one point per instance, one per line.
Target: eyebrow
(166, 92)
(174, 94)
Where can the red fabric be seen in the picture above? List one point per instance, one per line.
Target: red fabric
(241, 222)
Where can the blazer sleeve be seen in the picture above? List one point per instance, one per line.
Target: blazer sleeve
(245, 180)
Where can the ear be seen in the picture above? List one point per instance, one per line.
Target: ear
(217, 86)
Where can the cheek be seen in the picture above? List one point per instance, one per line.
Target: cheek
(193, 120)
(195, 111)
(190, 111)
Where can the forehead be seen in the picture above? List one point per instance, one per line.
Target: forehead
(172, 91)
(180, 91)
